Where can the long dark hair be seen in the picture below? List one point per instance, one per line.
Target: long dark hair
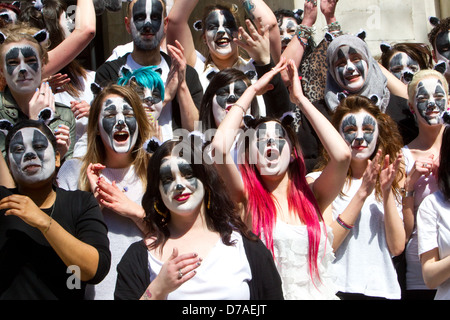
(443, 176)
(221, 79)
(221, 215)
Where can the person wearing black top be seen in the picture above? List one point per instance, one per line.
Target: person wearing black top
(52, 242)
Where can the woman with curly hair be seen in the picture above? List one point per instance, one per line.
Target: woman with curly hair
(197, 246)
(366, 217)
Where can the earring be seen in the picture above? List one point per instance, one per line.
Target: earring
(208, 206)
(155, 205)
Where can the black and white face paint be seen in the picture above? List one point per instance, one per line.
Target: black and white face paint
(221, 28)
(271, 149)
(360, 131)
(350, 68)
(443, 48)
(22, 67)
(225, 97)
(403, 67)
(180, 190)
(431, 100)
(118, 125)
(152, 101)
(288, 28)
(147, 27)
(9, 16)
(67, 24)
(31, 156)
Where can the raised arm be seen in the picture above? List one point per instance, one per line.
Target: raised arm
(74, 44)
(230, 127)
(330, 183)
(178, 28)
(261, 14)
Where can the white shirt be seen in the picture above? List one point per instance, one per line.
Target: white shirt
(433, 228)
(223, 275)
(122, 231)
(422, 188)
(363, 262)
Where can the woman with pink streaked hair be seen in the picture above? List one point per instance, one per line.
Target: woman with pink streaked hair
(270, 184)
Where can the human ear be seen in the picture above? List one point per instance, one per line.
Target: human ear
(57, 159)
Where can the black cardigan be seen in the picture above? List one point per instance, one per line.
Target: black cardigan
(133, 275)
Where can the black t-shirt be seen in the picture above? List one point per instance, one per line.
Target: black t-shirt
(31, 269)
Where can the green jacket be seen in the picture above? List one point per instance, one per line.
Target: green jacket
(11, 112)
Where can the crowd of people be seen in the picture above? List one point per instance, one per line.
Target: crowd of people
(262, 166)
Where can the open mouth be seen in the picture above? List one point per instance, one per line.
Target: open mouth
(272, 154)
(121, 136)
(223, 42)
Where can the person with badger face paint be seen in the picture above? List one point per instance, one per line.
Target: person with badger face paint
(23, 56)
(44, 230)
(366, 216)
(114, 171)
(270, 184)
(428, 101)
(223, 37)
(353, 70)
(405, 59)
(439, 38)
(146, 23)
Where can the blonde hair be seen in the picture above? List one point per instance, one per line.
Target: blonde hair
(24, 32)
(95, 144)
(422, 74)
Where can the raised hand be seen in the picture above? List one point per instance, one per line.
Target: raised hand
(256, 42)
(389, 172)
(62, 134)
(175, 271)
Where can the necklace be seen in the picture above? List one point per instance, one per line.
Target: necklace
(51, 215)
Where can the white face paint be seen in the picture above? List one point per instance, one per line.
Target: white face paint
(442, 43)
(403, 67)
(67, 25)
(288, 27)
(31, 156)
(146, 25)
(430, 100)
(271, 149)
(9, 16)
(350, 69)
(360, 131)
(21, 67)
(224, 99)
(152, 102)
(181, 191)
(117, 124)
(221, 28)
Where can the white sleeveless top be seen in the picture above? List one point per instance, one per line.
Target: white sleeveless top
(291, 258)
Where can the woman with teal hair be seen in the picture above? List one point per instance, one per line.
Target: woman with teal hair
(148, 84)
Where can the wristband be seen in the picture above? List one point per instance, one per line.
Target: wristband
(242, 108)
(343, 224)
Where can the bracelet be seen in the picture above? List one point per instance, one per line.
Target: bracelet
(49, 224)
(406, 194)
(303, 31)
(343, 224)
(242, 108)
(334, 28)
